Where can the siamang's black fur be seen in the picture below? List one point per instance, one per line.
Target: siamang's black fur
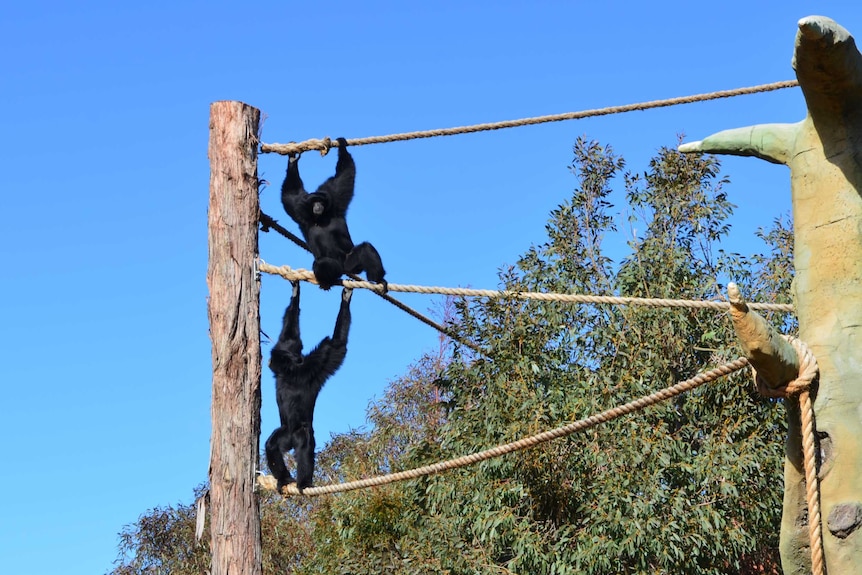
(321, 218)
(298, 380)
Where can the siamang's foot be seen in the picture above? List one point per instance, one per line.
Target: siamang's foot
(283, 484)
(346, 294)
(385, 285)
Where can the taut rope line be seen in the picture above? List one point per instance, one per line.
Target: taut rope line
(325, 144)
(307, 275)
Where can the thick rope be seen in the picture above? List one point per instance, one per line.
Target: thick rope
(307, 275)
(268, 482)
(812, 485)
(801, 386)
(268, 223)
(325, 144)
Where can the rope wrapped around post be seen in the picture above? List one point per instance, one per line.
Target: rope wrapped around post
(801, 386)
(307, 275)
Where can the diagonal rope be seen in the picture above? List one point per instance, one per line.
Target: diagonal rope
(325, 144)
(268, 223)
(267, 481)
(307, 275)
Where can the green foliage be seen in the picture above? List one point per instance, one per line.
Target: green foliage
(162, 540)
(689, 486)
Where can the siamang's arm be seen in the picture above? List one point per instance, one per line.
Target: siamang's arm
(293, 191)
(288, 349)
(290, 322)
(329, 354)
(340, 186)
(342, 324)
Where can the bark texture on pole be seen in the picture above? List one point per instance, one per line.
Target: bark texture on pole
(824, 153)
(234, 314)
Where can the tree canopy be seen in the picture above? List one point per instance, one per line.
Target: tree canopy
(689, 486)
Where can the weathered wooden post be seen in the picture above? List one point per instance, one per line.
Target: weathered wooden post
(234, 314)
(824, 153)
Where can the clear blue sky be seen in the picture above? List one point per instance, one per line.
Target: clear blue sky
(105, 354)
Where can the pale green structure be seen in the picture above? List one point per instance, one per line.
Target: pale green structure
(824, 154)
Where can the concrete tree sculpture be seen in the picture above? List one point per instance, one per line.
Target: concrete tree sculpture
(824, 154)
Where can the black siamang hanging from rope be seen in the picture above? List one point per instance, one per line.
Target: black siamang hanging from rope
(321, 218)
(298, 380)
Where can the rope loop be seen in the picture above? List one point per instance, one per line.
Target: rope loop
(800, 387)
(808, 371)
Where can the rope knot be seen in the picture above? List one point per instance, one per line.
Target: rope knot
(808, 371)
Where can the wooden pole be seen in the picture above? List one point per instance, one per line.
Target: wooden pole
(234, 315)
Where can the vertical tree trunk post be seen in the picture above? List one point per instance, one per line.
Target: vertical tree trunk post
(824, 153)
(234, 315)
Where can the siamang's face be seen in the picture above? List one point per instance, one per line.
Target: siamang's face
(319, 205)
